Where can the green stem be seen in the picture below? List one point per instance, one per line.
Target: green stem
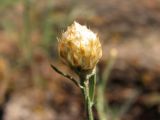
(86, 87)
(26, 43)
(102, 103)
(85, 91)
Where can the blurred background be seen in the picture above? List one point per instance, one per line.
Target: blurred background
(31, 90)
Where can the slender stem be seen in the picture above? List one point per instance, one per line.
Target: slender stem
(102, 103)
(26, 43)
(88, 103)
(84, 86)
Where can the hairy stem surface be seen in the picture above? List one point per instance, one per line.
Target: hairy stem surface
(85, 92)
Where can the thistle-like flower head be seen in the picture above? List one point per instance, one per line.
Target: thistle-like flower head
(79, 47)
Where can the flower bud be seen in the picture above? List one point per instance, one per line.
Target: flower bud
(79, 47)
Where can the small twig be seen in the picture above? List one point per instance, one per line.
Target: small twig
(66, 75)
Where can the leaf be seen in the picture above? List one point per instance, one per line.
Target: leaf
(92, 84)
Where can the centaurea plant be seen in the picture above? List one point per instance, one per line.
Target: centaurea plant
(80, 49)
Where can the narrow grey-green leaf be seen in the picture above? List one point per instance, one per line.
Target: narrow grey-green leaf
(92, 84)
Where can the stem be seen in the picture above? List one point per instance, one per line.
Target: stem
(102, 103)
(86, 87)
(85, 91)
(26, 43)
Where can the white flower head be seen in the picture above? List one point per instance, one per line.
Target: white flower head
(79, 47)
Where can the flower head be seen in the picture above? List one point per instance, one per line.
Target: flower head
(79, 47)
